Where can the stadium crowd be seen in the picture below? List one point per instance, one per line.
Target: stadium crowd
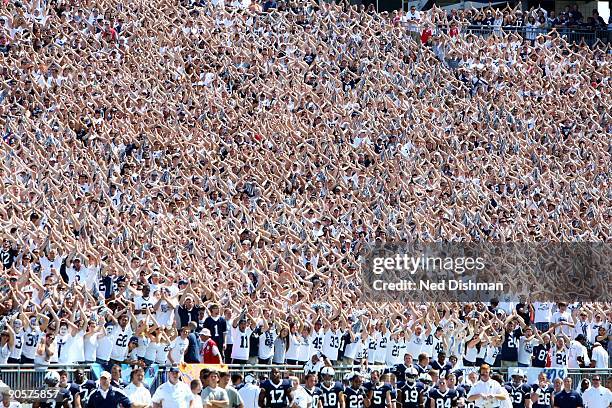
(201, 182)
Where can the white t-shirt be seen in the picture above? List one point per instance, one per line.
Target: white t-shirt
(177, 395)
(266, 344)
(525, 350)
(18, 347)
(316, 342)
(63, 349)
(5, 353)
(600, 357)
(90, 344)
(161, 352)
(352, 349)
(381, 349)
(143, 304)
(294, 347)
(105, 345)
(577, 350)
(46, 265)
(543, 312)
(31, 340)
(563, 317)
(177, 349)
(240, 350)
(120, 345)
(415, 344)
(559, 357)
(485, 387)
(599, 397)
(250, 395)
(302, 398)
(138, 395)
(165, 314)
(331, 344)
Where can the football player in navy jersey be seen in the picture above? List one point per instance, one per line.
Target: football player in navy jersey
(422, 366)
(467, 404)
(410, 392)
(275, 392)
(520, 393)
(400, 369)
(332, 392)
(443, 366)
(81, 388)
(310, 386)
(542, 392)
(442, 396)
(379, 393)
(427, 382)
(355, 394)
(451, 383)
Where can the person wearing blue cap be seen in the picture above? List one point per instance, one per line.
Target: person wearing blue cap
(174, 393)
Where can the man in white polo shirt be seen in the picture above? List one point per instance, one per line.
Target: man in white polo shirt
(487, 393)
(597, 396)
(174, 393)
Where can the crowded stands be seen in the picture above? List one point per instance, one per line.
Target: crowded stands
(200, 182)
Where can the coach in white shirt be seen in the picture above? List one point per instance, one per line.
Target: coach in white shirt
(597, 396)
(486, 391)
(173, 393)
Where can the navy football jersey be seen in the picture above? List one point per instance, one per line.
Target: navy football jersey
(354, 398)
(445, 399)
(544, 396)
(276, 395)
(315, 393)
(519, 394)
(400, 372)
(411, 394)
(330, 397)
(378, 396)
(84, 390)
(466, 390)
(62, 398)
(540, 355)
(443, 369)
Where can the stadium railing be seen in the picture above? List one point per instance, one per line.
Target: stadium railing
(19, 377)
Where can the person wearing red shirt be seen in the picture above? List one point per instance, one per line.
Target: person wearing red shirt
(209, 351)
(426, 35)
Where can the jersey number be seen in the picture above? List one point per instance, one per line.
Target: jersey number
(356, 401)
(443, 403)
(330, 400)
(277, 396)
(121, 340)
(32, 340)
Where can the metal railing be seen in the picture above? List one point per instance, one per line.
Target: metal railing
(28, 377)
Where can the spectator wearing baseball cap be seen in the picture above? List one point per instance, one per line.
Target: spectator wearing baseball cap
(174, 393)
(107, 396)
(209, 350)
